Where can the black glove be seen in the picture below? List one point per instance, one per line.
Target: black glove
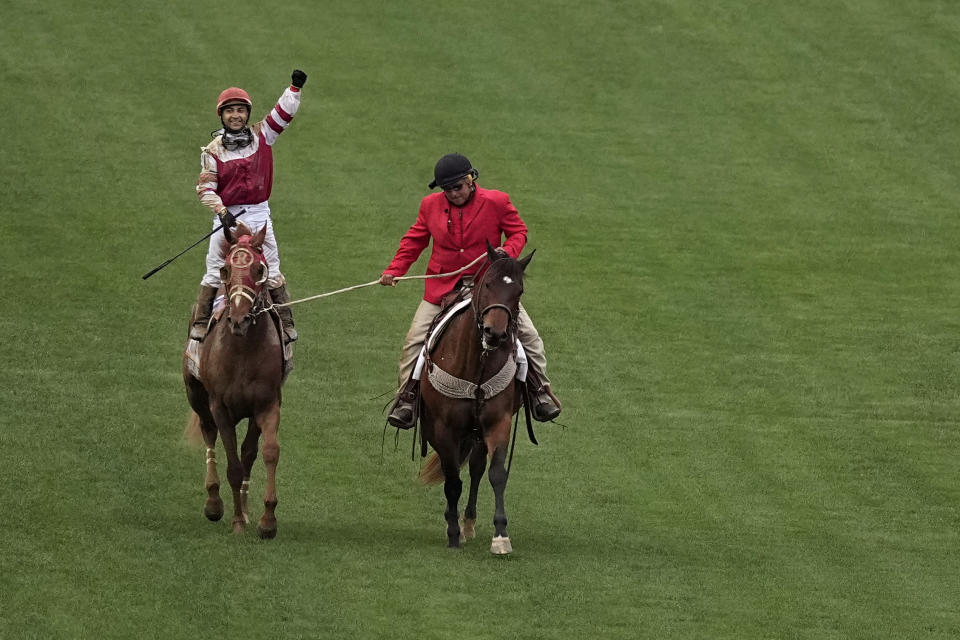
(298, 78)
(227, 219)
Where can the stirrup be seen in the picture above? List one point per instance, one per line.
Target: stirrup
(544, 406)
(402, 416)
(290, 334)
(545, 412)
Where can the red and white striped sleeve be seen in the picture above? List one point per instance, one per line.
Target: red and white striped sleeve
(281, 115)
(207, 182)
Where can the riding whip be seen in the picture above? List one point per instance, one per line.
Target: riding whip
(218, 228)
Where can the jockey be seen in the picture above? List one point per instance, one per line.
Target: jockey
(460, 221)
(236, 173)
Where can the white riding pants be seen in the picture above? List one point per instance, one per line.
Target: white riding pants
(255, 217)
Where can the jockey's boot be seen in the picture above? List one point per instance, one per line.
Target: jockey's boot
(543, 404)
(404, 412)
(200, 316)
(280, 296)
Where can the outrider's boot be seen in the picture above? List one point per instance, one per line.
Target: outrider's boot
(200, 316)
(404, 412)
(280, 296)
(543, 404)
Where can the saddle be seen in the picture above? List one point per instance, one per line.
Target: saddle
(450, 306)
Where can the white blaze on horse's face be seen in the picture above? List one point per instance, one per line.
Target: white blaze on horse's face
(508, 279)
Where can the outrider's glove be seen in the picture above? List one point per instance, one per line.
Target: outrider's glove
(298, 78)
(227, 219)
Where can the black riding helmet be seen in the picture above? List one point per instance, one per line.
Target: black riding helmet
(451, 168)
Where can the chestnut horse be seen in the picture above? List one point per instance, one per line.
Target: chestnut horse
(469, 396)
(240, 366)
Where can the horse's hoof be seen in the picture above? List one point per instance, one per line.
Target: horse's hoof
(468, 531)
(501, 546)
(238, 526)
(266, 534)
(213, 509)
(267, 531)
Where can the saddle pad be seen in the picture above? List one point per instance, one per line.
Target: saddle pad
(442, 322)
(192, 352)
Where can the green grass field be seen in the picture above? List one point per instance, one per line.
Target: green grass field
(746, 279)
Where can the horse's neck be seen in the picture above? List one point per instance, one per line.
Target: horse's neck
(460, 353)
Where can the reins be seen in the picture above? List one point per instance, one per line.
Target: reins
(370, 284)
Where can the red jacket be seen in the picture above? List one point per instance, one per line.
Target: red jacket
(459, 236)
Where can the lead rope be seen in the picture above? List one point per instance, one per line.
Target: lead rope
(273, 305)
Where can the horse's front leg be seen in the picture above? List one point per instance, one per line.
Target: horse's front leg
(248, 455)
(200, 403)
(452, 488)
(228, 434)
(213, 507)
(269, 423)
(497, 442)
(478, 464)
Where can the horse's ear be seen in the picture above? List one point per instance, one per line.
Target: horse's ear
(228, 235)
(491, 253)
(258, 237)
(525, 261)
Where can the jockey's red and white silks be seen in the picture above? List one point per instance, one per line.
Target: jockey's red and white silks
(242, 179)
(245, 176)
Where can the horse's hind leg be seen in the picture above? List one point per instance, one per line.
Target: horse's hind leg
(478, 464)
(248, 455)
(269, 423)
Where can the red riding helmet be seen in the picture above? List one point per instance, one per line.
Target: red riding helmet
(233, 95)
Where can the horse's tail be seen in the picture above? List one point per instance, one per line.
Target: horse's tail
(432, 472)
(192, 434)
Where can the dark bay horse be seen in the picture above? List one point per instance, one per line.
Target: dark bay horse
(236, 374)
(469, 395)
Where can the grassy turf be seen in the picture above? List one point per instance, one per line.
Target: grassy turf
(745, 279)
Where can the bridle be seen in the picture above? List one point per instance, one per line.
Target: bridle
(242, 257)
(479, 313)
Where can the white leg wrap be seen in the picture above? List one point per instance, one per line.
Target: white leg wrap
(501, 546)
